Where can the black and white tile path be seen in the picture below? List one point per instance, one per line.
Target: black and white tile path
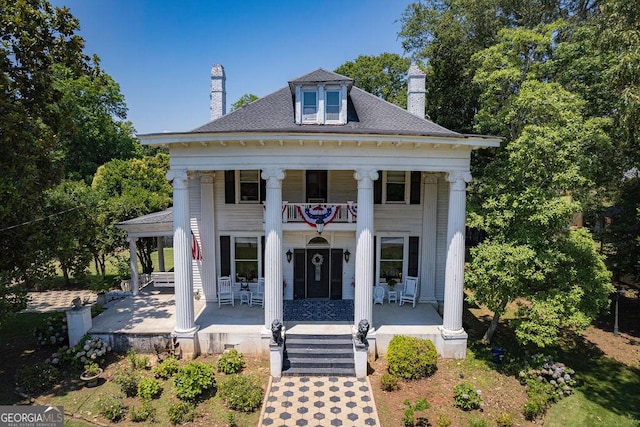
(319, 401)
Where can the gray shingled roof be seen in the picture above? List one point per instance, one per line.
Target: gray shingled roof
(321, 75)
(366, 114)
(162, 217)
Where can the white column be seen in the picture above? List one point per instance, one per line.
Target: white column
(208, 238)
(133, 265)
(429, 227)
(454, 275)
(363, 302)
(273, 246)
(182, 253)
(160, 242)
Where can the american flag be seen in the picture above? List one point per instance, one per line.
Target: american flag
(196, 253)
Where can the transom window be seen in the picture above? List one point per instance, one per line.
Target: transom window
(249, 182)
(396, 187)
(391, 258)
(309, 106)
(246, 256)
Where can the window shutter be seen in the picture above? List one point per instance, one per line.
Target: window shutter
(263, 189)
(414, 191)
(229, 187)
(225, 255)
(414, 253)
(375, 278)
(262, 246)
(377, 189)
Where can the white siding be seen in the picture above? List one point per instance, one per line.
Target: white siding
(342, 187)
(441, 237)
(196, 219)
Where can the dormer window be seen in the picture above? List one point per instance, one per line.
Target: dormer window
(332, 106)
(321, 104)
(310, 106)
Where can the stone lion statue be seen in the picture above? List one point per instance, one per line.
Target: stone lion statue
(363, 329)
(276, 331)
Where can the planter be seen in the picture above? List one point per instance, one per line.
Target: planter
(101, 298)
(91, 378)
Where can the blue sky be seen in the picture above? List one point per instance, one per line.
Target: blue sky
(161, 51)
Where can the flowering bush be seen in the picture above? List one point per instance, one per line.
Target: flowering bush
(466, 397)
(89, 349)
(545, 370)
(53, 333)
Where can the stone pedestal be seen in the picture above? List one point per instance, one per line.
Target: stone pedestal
(78, 323)
(361, 356)
(189, 346)
(276, 352)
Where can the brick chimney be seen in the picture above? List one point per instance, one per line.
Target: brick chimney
(416, 91)
(218, 92)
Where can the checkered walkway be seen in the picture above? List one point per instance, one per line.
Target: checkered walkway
(49, 301)
(319, 401)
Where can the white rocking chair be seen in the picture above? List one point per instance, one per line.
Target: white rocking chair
(257, 297)
(378, 295)
(410, 292)
(225, 292)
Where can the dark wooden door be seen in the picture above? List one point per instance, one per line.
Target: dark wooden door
(336, 273)
(299, 273)
(318, 262)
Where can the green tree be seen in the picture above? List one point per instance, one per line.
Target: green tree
(128, 189)
(97, 131)
(73, 230)
(384, 75)
(34, 37)
(531, 190)
(244, 100)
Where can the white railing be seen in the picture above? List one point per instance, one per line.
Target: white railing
(291, 214)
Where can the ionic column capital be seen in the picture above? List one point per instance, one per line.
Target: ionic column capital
(459, 179)
(365, 174)
(273, 174)
(179, 177)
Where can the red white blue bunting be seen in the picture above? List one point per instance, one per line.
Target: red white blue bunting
(311, 215)
(353, 209)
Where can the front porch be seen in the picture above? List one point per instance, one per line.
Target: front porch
(147, 320)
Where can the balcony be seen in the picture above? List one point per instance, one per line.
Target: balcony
(311, 213)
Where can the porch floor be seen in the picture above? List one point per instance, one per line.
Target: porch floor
(153, 312)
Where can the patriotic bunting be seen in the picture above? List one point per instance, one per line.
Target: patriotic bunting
(311, 215)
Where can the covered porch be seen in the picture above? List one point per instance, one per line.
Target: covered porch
(146, 322)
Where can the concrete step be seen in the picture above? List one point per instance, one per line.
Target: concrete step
(318, 355)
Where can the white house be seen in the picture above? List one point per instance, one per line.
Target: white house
(327, 188)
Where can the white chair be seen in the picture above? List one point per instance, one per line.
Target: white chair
(378, 295)
(410, 292)
(225, 292)
(257, 297)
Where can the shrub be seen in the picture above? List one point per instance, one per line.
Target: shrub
(540, 394)
(543, 369)
(89, 349)
(408, 416)
(466, 397)
(128, 380)
(181, 412)
(166, 368)
(231, 420)
(504, 420)
(146, 412)
(149, 388)
(53, 332)
(477, 422)
(111, 407)
(231, 362)
(37, 378)
(389, 382)
(411, 357)
(137, 361)
(242, 393)
(193, 379)
(443, 420)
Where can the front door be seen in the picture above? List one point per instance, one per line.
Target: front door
(318, 283)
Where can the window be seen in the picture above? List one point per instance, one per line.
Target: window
(309, 106)
(249, 186)
(332, 106)
(396, 186)
(392, 258)
(246, 256)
